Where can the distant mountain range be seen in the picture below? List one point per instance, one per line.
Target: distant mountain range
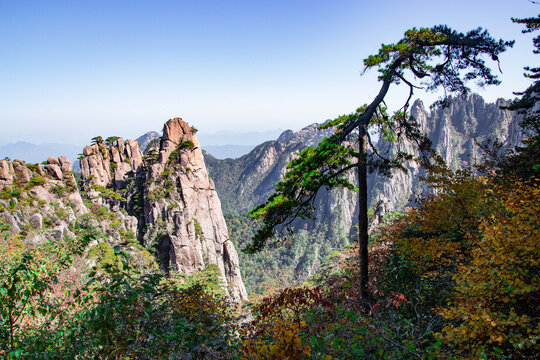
(32, 153)
(232, 145)
(245, 174)
(222, 145)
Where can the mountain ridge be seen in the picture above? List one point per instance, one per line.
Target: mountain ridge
(247, 181)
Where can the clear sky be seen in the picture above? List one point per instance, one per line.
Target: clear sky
(71, 70)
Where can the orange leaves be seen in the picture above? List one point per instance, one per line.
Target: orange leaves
(275, 333)
(498, 291)
(476, 240)
(396, 299)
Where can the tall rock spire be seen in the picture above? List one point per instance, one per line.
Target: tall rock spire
(174, 200)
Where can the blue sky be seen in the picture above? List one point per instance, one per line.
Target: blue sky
(71, 70)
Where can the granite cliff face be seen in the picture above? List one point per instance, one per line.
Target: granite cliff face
(169, 197)
(249, 180)
(453, 131)
(165, 200)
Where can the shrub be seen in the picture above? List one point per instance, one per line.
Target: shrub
(36, 180)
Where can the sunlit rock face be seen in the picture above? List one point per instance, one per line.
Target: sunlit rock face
(39, 202)
(455, 131)
(248, 181)
(171, 199)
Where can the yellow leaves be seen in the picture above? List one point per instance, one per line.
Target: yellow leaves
(483, 239)
(498, 286)
(277, 340)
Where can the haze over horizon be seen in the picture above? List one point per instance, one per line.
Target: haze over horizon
(70, 71)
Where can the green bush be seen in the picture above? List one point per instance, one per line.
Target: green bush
(36, 180)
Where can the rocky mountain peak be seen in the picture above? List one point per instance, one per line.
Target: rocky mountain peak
(33, 196)
(174, 202)
(145, 139)
(310, 135)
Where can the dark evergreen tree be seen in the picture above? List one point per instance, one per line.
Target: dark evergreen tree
(436, 58)
(524, 162)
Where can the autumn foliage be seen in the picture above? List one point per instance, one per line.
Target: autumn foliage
(475, 245)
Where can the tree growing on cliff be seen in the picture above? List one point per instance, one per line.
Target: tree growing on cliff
(436, 58)
(524, 162)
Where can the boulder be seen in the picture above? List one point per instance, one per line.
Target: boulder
(65, 164)
(6, 171)
(22, 174)
(53, 161)
(88, 150)
(36, 221)
(54, 171)
(10, 220)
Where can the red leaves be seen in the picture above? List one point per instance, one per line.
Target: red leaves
(293, 300)
(395, 299)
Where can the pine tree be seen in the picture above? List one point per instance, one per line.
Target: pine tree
(437, 58)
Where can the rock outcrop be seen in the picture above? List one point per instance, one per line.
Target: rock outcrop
(454, 131)
(247, 181)
(177, 209)
(39, 203)
(110, 165)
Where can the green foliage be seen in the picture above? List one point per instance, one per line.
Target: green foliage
(276, 267)
(36, 180)
(183, 146)
(97, 140)
(530, 96)
(32, 167)
(198, 229)
(524, 163)
(26, 283)
(323, 166)
(152, 145)
(112, 140)
(8, 193)
(57, 190)
(209, 279)
(104, 255)
(108, 193)
(156, 194)
(119, 312)
(151, 156)
(101, 213)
